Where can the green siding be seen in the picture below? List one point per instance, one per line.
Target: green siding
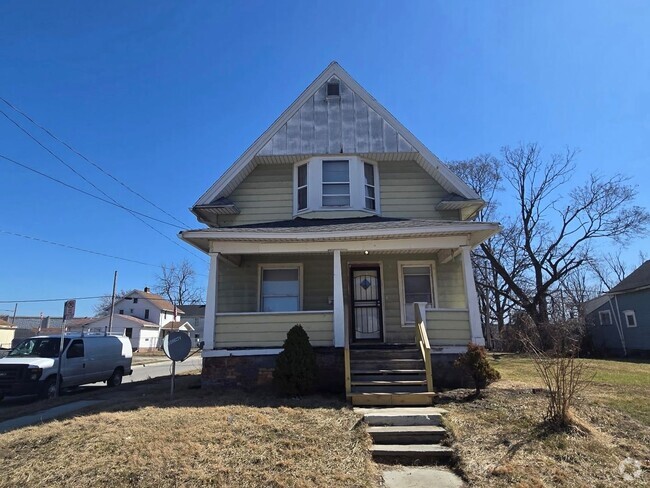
(448, 328)
(406, 191)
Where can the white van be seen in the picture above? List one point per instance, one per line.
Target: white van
(31, 367)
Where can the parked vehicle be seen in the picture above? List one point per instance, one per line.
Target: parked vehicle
(31, 368)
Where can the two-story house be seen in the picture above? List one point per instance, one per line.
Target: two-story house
(144, 317)
(337, 218)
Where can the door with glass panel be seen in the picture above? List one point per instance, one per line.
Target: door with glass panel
(365, 287)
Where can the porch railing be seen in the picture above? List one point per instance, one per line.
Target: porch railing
(422, 341)
(346, 360)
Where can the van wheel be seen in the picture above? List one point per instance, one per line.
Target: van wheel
(49, 389)
(115, 379)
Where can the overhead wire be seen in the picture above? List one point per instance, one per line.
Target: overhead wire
(88, 160)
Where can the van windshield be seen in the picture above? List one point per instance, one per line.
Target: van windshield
(43, 347)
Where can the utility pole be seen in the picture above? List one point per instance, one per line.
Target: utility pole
(13, 320)
(58, 366)
(110, 318)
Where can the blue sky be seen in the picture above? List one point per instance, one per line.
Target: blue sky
(166, 95)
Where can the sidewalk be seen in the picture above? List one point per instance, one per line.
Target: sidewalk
(46, 415)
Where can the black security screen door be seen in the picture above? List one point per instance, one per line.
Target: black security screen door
(365, 286)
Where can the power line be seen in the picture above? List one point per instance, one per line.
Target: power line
(74, 248)
(72, 187)
(42, 300)
(115, 202)
(97, 166)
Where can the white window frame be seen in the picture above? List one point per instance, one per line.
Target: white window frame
(434, 286)
(609, 317)
(260, 269)
(627, 314)
(356, 182)
(324, 183)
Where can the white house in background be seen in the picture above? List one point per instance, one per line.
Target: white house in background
(148, 306)
(144, 335)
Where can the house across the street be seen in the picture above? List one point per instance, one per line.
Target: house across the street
(339, 219)
(619, 320)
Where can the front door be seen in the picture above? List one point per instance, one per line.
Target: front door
(365, 289)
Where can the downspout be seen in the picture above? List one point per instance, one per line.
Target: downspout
(619, 328)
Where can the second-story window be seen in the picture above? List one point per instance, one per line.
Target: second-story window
(336, 183)
(146, 313)
(369, 185)
(302, 187)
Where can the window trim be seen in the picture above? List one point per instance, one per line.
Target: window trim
(260, 269)
(627, 314)
(600, 317)
(298, 188)
(356, 183)
(434, 286)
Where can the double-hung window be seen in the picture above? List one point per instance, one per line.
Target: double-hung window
(280, 289)
(416, 285)
(605, 317)
(630, 318)
(336, 183)
(369, 186)
(302, 186)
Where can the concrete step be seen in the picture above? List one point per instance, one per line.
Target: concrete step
(403, 416)
(423, 452)
(411, 434)
(391, 399)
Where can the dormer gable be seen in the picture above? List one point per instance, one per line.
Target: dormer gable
(334, 124)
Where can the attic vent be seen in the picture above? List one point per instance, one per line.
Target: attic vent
(333, 89)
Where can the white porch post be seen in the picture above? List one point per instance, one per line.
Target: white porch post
(338, 315)
(211, 302)
(472, 297)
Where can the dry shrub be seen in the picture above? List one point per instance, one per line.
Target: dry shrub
(476, 362)
(562, 374)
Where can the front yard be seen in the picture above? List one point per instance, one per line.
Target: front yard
(501, 441)
(138, 437)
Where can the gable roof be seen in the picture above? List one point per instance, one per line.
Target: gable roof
(129, 318)
(322, 133)
(637, 279)
(158, 301)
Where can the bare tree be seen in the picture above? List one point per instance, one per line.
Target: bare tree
(558, 227)
(103, 305)
(177, 283)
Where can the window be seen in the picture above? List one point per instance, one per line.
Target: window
(135, 300)
(146, 313)
(605, 317)
(76, 349)
(131, 312)
(280, 289)
(336, 183)
(121, 312)
(416, 285)
(302, 187)
(128, 332)
(630, 318)
(369, 184)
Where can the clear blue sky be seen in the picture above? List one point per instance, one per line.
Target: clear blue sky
(166, 95)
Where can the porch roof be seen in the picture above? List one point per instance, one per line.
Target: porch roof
(300, 230)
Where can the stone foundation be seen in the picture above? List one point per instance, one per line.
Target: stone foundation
(249, 372)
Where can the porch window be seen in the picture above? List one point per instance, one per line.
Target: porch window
(605, 317)
(416, 285)
(630, 318)
(336, 183)
(280, 290)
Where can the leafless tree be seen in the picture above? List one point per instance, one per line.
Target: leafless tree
(103, 305)
(177, 283)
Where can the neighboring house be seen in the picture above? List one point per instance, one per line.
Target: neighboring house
(28, 326)
(7, 332)
(337, 218)
(195, 315)
(144, 335)
(619, 321)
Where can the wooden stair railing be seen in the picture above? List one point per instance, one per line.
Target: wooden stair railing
(422, 341)
(346, 360)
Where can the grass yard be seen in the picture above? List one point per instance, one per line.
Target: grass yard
(141, 438)
(501, 440)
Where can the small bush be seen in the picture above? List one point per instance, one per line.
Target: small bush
(295, 368)
(476, 362)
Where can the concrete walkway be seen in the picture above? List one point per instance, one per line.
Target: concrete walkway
(421, 478)
(45, 415)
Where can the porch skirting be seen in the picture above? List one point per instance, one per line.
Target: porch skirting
(254, 371)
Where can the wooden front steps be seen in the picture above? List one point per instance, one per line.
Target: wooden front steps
(388, 376)
(407, 434)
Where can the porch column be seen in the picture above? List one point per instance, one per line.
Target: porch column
(211, 302)
(338, 315)
(472, 298)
